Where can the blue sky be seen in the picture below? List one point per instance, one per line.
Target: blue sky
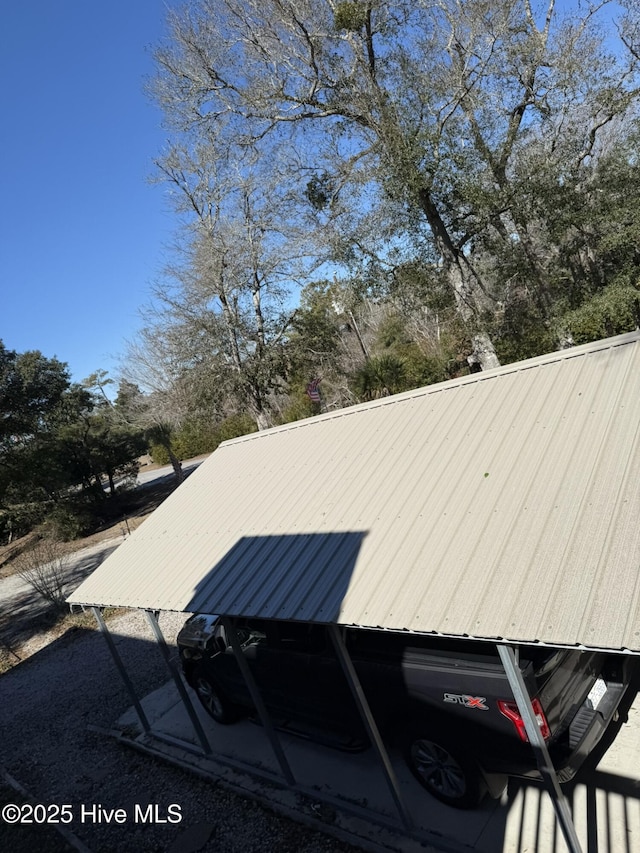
(82, 233)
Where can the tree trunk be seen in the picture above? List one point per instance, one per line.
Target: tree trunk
(262, 419)
(464, 283)
(465, 288)
(97, 488)
(484, 354)
(175, 464)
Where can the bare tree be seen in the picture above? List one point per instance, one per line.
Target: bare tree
(225, 303)
(164, 404)
(44, 567)
(425, 107)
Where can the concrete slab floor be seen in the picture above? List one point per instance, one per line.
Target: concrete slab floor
(605, 801)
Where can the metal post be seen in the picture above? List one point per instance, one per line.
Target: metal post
(144, 722)
(177, 678)
(258, 701)
(543, 759)
(370, 724)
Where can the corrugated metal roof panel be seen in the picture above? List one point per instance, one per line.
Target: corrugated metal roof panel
(504, 504)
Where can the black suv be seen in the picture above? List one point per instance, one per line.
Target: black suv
(447, 701)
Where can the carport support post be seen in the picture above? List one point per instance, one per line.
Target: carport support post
(144, 722)
(258, 701)
(370, 724)
(545, 765)
(152, 618)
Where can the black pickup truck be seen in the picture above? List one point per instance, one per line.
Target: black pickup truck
(447, 701)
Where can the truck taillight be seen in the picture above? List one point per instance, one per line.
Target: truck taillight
(511, 712)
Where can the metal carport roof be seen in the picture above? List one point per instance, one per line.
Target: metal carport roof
(505, 505)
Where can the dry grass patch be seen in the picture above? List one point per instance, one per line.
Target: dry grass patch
(64, 623)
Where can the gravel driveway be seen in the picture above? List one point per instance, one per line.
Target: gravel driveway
(47, 703)
(46, 706)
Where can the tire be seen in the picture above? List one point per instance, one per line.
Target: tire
(446, 772)
(214, 702)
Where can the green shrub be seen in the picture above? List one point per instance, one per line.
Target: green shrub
(299, 408)
(67, 521)
(198, 437)
(380, 376)
(234, 426)
(19, 519)
(159, 454)
(195, 438)
(612, 311)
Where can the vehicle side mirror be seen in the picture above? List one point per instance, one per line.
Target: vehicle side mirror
(222, 646)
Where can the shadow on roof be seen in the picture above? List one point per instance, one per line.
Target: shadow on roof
(300, 576)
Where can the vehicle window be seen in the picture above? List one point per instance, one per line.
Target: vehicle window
(548, 662)
(255, 637)
(273, 634)
(247, 633)
(285, 636)
(302, 637)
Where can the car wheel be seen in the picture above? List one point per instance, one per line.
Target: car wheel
(448, 775)
(214, 702)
